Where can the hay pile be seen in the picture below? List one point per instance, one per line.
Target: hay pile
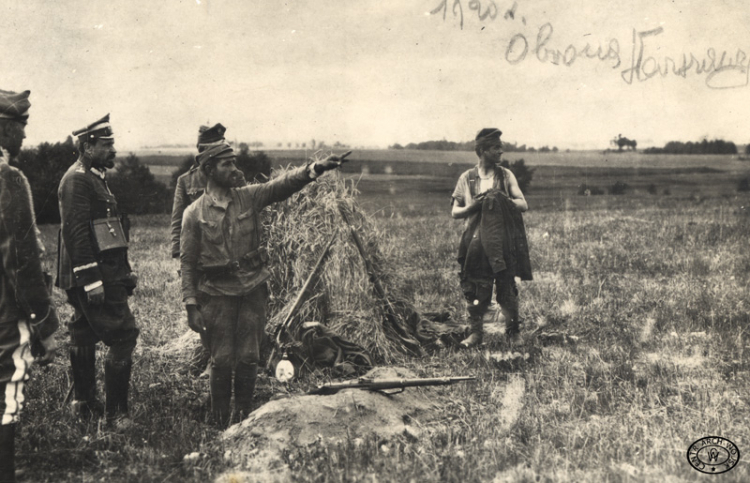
(344, 299)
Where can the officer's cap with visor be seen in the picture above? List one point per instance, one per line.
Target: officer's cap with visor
(100, 129)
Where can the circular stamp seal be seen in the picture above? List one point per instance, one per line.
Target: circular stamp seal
(713, 455)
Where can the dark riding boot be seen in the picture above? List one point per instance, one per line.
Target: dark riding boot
(116, 384)
(83, 365)
(477, 331)
(7, 453)
(221, 395)
(245, 376)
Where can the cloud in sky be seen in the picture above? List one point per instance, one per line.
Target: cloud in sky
(375, 72)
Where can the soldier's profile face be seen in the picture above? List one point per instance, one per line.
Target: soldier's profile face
(494, 152)
(227, 175)
(14, 134)
(103, 153)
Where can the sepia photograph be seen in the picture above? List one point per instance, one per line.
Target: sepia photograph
(498, 241)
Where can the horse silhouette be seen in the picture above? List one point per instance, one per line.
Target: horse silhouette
(621, 141)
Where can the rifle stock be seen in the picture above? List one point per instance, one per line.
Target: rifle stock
(384, 384)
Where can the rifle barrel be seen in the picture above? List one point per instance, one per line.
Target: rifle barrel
(382, 384)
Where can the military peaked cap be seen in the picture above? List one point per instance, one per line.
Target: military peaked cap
(217, 151)
(100, 129)
(14, 106)
(209, 135)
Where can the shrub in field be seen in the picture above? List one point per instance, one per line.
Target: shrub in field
(652, 189)
(136, 189)
(44, 166)
(588, 190)
(523, 173)
(744, 184)
(619, 188)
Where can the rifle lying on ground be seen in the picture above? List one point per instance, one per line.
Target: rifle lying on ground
(384, 384)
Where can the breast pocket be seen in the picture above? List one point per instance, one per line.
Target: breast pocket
(211, 232)
(105, 205)
(246, 223)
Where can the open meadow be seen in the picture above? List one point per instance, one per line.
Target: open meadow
(636, 324)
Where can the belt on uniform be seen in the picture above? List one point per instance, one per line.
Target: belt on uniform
(251, 261)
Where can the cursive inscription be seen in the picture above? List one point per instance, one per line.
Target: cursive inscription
(726, 70)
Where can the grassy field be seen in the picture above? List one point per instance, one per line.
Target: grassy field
(637, 323)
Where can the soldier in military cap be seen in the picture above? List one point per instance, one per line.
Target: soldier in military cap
(191, 185)
(27, 316)
(93, 269)
(224, 273)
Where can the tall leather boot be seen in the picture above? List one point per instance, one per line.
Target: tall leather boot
(477, 332)
(245, 376)
(221, 394)
(7, 453)
(116, 384)
(83, 365)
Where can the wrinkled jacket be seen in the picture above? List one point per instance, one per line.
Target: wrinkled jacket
(214, 237)
(495, 237)
(84, 197)
(190, 186)
(23, 290)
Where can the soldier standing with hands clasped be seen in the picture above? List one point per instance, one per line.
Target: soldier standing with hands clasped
(224, 274)
(27, 317)
(95, 272)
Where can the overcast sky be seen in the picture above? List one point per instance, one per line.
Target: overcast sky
(378, 72)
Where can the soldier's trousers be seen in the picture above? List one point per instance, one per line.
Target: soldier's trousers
(15, 360)
(111, 322)
(479, 299)
(234, 327)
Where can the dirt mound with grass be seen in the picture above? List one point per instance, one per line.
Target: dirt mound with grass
(259, 443)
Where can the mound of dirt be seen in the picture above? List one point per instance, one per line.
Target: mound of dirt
(256, 444)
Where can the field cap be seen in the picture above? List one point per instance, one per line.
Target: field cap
(216, 151)
(14, 106)
(100, 129)
(488, 133)
(211, 135)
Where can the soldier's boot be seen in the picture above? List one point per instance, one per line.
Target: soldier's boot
(221, 395)
(7, 453)
(245, 376)
(83, 364)
(477, 332)
(116, 385)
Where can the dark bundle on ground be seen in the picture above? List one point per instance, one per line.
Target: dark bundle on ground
(344, 299)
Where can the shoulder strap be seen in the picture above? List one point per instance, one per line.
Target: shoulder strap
(472, 180)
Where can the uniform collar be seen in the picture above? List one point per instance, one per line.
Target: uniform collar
(4, 156)
(101, 174)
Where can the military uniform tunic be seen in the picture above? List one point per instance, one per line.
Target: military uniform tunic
(23, 291)
(84, 197)
(190, 186)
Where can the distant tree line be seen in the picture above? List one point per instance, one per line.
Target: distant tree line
(717, 146)
(444, 145)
